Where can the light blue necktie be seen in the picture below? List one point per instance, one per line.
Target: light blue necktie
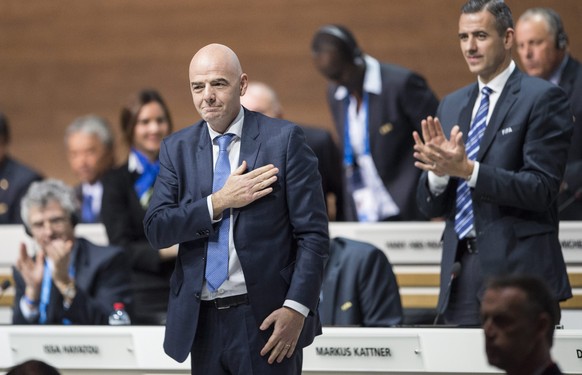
(464, 216)
(87, 214)
(217, 259)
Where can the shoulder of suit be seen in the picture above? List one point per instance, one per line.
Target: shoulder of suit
(106, 251)
(19, 171)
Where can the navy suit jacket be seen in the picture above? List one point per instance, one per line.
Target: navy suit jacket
(571, 198)
(281, 239)
(16, 179)
(359, 288)
(101, 279)
(393, 115)
(522, 158)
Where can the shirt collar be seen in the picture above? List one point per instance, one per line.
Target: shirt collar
(92, 189)
(133, 164)
(372, 79)
(497, 83)
(234, 128)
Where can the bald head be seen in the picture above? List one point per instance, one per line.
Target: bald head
(262, 98)
(217, 82)
(216, 55)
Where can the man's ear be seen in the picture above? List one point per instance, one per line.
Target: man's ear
(244, 82)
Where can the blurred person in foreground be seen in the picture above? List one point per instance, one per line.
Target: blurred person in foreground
(253, 234)
(90, 150)
(69, 280)
(15, 178)
(497, 175)
(262, 98)
(519, 314)
(33, 367)
(375, 107)
(127, 191)
(542, 46)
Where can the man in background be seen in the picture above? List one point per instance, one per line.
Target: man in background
(69, 280)
(262, 98)
(359, 287)
(519, 314)
(497, 176)
(375, 107)
(542, 46)
(89, 143)
(15, 178)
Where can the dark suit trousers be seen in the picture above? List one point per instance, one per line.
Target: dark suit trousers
(228, 342)
(465, 299)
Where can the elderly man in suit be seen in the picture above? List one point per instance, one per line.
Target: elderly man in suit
(375, 107)
(90, 151)
(70, 280)
(253, 238)
(497, 177)
(542, 46)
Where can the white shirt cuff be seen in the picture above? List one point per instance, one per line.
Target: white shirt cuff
(30, 313)
(437, 184)
(297, 307)
(473, 180)
(211, 210)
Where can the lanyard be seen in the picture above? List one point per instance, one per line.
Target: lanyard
(45, 292)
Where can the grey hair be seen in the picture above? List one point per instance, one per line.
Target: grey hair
(41, 193)
(92, 125)
(553, 20)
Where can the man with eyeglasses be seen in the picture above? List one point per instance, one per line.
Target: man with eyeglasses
(69, 280)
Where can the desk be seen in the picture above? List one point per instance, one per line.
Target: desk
(84, 350)
(413, 248)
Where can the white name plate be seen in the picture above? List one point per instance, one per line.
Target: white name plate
(399, 352)
(75, 350)
(567, 351)
(420, 242)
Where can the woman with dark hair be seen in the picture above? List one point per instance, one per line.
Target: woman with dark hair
(145, 121)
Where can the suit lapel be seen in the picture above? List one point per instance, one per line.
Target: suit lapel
(506, 100)
(568, 77)
(201, 156)
(467, 112)
(250, 145)
(81, 262)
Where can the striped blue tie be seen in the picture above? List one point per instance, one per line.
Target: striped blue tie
(217, 259)
(464, 216)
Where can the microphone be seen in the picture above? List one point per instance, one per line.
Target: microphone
(455, 271)
(576, 196)
(5, 285)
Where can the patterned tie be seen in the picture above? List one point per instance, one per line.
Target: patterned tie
(464, 216)
(87, 214)
(217, 263)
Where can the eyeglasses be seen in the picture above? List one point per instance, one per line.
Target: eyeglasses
(54, 223)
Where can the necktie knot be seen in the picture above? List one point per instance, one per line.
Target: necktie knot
(486, 91)
(223, 141)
